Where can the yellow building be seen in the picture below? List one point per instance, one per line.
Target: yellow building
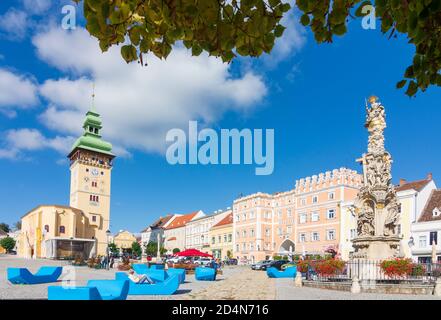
(2, 235)
(221, 238)
(124, 239)
(53, 231)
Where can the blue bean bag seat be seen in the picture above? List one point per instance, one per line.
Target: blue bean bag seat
(205, 274)
(43, 275)
(289, 272)
(167, 287)
(156, 275)
(157, 267)
(95, 290)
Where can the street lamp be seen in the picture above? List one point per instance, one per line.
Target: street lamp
(108, 233)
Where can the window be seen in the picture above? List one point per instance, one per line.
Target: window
(252, 232)
(251, 214)
(237, 247)
(213, 240)
(436, 212)
(46, 228)
(330, 234)
(302, 237)
(93, 198)
(267, 232)
(303, 218)
(244, 233)
(315, 236)
(94, 184)
(230, 237)
(331, 196)
(433, 237)
(289, 213)
(289, 229)
(303, 201)
(315, 216)
(279, 231)
(62, 229)
(314, 199)
(244, 216)
(251, 246)
(331, 214)
(219, 239)
(94, 218)
(237, 217)
(422, 241)
(353, 233)
(244, 246)
(237, 234)
(225, 238)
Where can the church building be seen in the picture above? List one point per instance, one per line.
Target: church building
(80, 229)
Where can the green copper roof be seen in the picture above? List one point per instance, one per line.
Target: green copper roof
(91, 138)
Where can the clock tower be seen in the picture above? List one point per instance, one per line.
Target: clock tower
(91, 166)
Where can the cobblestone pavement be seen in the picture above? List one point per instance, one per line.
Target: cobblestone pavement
(244, 284)
(239, 282)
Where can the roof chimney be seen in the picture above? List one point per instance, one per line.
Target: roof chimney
(429, 176)
(402, 181)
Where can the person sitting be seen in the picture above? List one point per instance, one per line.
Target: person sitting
(140, 278)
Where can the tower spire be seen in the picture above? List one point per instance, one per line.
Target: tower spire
(93, 98)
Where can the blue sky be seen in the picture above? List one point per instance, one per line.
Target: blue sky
(311, 95)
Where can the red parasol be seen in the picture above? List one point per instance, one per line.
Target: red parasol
(193, 253)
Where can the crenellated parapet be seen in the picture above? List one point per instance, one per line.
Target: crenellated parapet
(342, 176)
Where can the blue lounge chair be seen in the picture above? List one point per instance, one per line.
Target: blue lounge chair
(73, 293)
(43, 275)
(157, 267)
(177, 271)
(167, 287)
(158, 275)
(205, 274)
(111, 289)
(95, 290)
(289, 272)
(154, 274)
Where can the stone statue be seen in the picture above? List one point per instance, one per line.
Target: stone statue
(376, 207)
(365, 220)
(393, 212)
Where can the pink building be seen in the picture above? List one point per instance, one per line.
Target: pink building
(304, 220)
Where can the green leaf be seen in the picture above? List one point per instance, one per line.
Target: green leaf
(305, 20)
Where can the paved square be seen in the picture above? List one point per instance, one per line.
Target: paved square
(237, 282)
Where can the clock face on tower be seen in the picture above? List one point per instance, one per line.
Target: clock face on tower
(95, 172)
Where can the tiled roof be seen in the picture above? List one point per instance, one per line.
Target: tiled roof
(415, 185)
(225, 221)
(159, 223)
(181, 221)
(433, 204)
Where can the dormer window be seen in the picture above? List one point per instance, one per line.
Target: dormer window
(436, 212)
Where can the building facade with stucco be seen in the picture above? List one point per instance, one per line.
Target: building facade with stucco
(80, 229)
(221, 237)
(304, 220)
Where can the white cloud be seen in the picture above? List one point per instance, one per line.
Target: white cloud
(14, 24)
(292, 40)
(37, 6)
(138, 104)
(17, 141)
(16, 91)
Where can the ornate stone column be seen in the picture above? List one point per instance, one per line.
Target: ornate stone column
(376, 207)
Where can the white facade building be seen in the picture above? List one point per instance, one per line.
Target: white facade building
(197, 230)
